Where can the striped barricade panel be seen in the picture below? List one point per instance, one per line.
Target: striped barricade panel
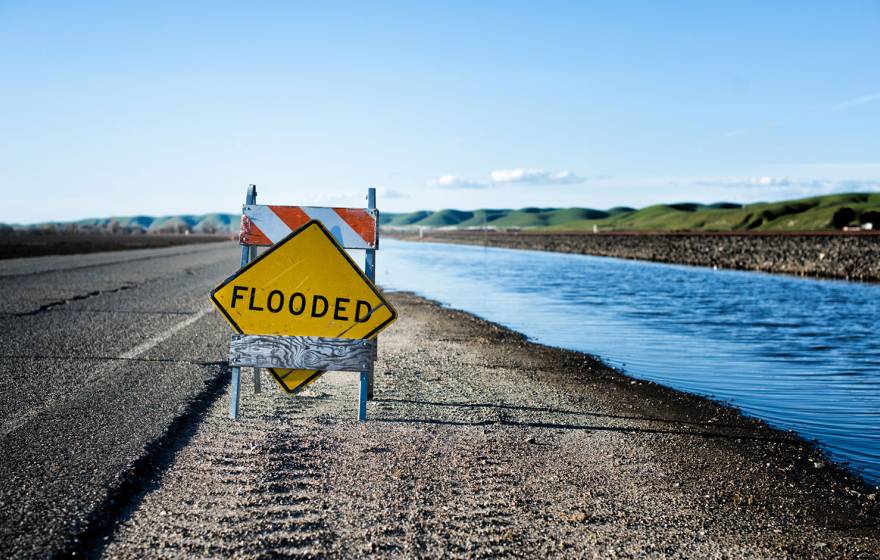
(353, 228)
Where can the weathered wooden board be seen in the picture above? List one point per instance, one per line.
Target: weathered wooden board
(302, 352)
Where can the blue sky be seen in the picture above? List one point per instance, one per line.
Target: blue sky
(157, 108)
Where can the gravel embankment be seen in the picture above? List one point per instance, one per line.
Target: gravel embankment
(482, 444)
(849, 256)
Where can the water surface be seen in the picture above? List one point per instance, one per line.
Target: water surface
(799, 353)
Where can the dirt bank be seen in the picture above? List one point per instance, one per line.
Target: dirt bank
(482, 444)
(850, 256)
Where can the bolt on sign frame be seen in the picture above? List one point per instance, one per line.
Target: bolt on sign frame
(264, 225)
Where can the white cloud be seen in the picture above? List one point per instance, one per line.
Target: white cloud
(849, 103)
(390, 193)
(518, 176)
(767, 181)
(350, 199)
(735, 132)
(450, 181)
(855, 185)
(744, 182)
(857, 101)
(792, 186)
(535, 177)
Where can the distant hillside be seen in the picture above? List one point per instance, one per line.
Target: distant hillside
(816, 213)
(187, 223)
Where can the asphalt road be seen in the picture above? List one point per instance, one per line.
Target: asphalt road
(100, 355)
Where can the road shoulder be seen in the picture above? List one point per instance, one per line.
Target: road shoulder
(481, 443)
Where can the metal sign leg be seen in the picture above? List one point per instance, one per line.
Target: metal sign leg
(370, 270)
(362, 408)
(234, 394)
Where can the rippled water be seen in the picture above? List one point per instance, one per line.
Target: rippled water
(801, 354)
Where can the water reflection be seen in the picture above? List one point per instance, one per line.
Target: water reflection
(799, 353)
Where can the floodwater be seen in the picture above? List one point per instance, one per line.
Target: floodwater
(801, 354)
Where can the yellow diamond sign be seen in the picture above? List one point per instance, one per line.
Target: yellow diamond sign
(305, 285)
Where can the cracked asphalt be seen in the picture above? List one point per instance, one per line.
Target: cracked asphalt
(87, 380)
(115, 441)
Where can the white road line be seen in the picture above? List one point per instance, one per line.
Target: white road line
(22, 419)
(160, 338)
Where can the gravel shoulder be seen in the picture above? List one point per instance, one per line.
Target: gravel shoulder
(844, 255)
(480, 444)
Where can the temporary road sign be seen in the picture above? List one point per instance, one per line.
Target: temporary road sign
(353, 228)
(305, 285)
(294, 380)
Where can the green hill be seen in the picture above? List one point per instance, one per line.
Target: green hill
(807, 214)
(447, 217)
(205, 223)
(403, 219)
(217, 223)
(484, 216)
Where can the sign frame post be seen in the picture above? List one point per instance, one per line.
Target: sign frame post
(367, 377)
(235, 393)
